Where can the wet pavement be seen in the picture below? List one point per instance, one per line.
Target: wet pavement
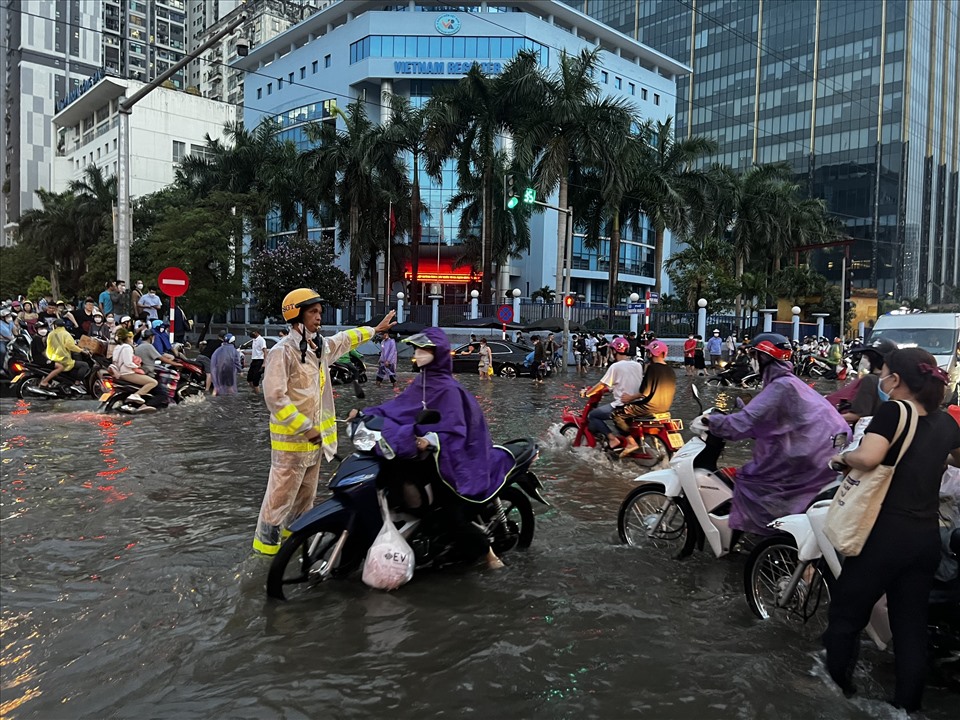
(128, 591)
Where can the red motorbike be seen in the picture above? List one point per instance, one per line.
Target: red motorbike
(657, 435)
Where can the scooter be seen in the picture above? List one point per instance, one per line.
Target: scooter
(26, 381)
(658, 435)
(688, 505)
(738, 374)
(332, 539)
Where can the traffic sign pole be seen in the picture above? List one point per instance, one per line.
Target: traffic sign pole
(172, 318)
(173, 282)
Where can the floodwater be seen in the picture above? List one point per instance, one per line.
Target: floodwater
(129, 592)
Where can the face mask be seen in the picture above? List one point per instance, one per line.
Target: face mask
(422, 357)
(139, 286)
(884, 397)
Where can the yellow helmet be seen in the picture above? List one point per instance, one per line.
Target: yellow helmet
(297, 299)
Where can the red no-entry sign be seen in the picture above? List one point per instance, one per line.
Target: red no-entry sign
(173, 282)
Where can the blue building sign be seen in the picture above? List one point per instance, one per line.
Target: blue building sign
(420, 67)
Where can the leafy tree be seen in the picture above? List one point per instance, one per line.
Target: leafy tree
(39, 287)
(297, 263)
(546, 292)
(18, 265)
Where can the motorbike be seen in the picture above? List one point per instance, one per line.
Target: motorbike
(814, 366)
(657, 435)
(738, 374)
(171, 387)
(332, 539)
(27, 377)
(686, 506)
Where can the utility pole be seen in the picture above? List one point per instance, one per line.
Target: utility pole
(124, 231)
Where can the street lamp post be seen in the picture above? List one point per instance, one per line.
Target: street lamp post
(701, 317)
(820, 320)
(474, 304)
(796, 323)
(399, 307)
(516, 305)
(435, 310)
(124, 217)
(634, 318)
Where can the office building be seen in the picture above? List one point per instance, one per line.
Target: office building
(364, 48)
(859, 97)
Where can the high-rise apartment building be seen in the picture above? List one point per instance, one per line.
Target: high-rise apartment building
(53, 50)
(858, 96)
(211, 72)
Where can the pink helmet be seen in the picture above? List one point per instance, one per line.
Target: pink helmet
(620, 345)
(657, 349)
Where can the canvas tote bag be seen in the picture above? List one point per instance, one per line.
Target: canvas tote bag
(857, 503)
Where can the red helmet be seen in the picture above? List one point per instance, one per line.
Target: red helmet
(620, 346)
(657, 349)
(773, 344)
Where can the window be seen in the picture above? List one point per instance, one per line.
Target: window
(179, 150)
(314, 67)
(269, 88)
(303, 72)
(290, 78)
(326, 61)
(633, 89)
(259, 93)
(279, 84)
(643, 93)
(604, 77)
(617, 83)
(656, 99)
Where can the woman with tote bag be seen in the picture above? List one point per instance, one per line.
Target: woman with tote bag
(902, 551)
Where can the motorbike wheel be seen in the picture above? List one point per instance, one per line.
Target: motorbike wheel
(569, 431)
(817, 371)
(22, 388)
(187, 391)
(520, 521)
(97, 388)
(646, 508)
(508, 371)
(753, 382)
(301, 562)
(715, 381)
(657, 452)
(767, 572)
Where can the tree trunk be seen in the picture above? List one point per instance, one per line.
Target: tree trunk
(55, 281)
(487, 238)
(614, 267)
(416, 231)
(738, 302)
(658, 259)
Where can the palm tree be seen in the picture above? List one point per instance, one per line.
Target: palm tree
(467, 121)
(368, 175)
(699, 265)
(670, 184)
(565, 120)
(51, 232)
(406, 130)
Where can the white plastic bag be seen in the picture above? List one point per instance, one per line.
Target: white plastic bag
(390, 560)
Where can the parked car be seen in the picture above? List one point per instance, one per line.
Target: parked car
(246, 352)
(508, 358)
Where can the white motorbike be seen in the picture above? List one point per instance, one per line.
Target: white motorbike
(790, 574)
(686, 506)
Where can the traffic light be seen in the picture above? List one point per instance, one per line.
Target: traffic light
(569, 300)
(510, 199)
(530, 195)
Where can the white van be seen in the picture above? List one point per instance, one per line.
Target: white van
(937, 333)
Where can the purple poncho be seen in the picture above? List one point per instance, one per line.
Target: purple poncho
(388, 352)
(224, 365)
(793, 426)
(468, 461)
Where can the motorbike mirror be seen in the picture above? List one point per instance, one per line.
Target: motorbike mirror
(428, 417)
(840, 440)
(695, 391)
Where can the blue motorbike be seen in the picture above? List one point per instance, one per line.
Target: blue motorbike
(331, 540)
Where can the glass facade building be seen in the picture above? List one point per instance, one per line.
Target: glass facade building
(858, 96)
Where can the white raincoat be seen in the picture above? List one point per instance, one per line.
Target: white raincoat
(299, 397)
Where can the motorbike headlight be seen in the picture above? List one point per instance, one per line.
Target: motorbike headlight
(364, 439)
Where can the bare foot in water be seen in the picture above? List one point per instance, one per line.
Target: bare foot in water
(493, 562)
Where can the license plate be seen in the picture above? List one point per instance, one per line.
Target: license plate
(105, 396)
(675, 439)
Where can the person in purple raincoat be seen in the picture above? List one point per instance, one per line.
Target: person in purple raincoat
(794, 427)
(470, 468)
(224, 367)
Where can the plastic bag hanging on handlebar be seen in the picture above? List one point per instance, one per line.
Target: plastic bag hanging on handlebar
(390, 560)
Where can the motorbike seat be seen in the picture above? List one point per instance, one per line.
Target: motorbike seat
(522, 450)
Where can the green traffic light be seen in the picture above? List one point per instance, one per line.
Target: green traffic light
(530, 196)
(513, 202)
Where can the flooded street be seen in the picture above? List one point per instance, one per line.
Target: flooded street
(129, 591)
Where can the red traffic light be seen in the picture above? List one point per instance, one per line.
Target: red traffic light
(569, 300)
